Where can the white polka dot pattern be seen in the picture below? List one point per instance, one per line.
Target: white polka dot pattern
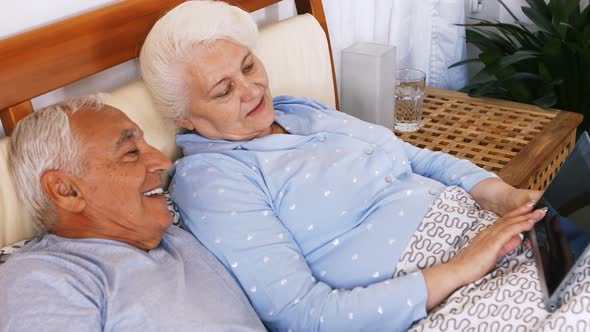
(336, 201)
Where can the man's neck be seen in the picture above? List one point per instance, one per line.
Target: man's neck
(77, 227)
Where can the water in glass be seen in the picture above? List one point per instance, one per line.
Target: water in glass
(408, 107)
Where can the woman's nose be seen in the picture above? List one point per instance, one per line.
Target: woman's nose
(249, 89)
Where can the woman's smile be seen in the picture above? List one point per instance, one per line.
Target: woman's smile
(259, 108)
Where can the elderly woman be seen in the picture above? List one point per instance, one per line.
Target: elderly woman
(309, 208)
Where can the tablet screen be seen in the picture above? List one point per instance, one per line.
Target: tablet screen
(564, 233)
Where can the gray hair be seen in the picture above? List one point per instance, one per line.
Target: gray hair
(169, 47)
(44, 141)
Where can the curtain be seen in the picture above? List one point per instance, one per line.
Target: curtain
(424, 32)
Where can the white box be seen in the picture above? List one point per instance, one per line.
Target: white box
(367, 82)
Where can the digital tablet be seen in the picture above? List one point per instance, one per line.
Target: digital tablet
(562, 237)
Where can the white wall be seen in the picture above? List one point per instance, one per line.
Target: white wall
(23, 15)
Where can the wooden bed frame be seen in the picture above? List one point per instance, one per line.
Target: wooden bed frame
(41, 60)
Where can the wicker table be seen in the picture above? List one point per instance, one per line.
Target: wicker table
(524, 144)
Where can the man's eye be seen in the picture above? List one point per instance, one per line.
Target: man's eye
(225, 92)
(133, 152)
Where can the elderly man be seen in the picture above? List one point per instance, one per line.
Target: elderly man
(110, 259)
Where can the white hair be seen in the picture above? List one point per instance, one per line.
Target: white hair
(170, 45)
(44, 141)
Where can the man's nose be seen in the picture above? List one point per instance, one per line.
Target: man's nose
(157, 161)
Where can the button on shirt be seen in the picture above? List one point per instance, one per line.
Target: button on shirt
(302, 220)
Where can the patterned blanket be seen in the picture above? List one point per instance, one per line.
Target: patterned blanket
(507, 299)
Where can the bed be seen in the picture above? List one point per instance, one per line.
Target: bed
(296, 53)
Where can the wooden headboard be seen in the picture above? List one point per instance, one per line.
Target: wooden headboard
(56, 55)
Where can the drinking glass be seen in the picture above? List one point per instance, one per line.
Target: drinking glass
(408, 99)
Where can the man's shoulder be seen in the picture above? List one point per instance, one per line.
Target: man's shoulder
(44, 279)
(41, 265)
(50, 252)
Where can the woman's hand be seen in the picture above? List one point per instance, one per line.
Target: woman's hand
(482, 254)
(499, 197)
(492, 243)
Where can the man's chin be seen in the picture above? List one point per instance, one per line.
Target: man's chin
(167, 222)
(158, 226)
(159, 213)
(163, 218)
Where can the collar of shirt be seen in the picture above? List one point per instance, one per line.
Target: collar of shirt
(293, 114)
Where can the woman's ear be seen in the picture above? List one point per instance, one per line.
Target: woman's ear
(62, 190)
(185, 123)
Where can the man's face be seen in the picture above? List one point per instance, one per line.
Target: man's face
(121, 182)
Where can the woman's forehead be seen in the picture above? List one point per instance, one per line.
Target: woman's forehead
(211, 60)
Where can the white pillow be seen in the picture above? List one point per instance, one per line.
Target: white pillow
(7, 251)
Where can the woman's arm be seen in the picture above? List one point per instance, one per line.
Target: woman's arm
(445, 168)
(490, 192)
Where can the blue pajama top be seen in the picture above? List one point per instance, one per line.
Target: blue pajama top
(313, 223)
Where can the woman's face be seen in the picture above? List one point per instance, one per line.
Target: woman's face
(230, 99)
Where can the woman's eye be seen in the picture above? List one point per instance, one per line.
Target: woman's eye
(248, 68)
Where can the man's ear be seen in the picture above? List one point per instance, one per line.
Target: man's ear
(62, 190)
(185, 123)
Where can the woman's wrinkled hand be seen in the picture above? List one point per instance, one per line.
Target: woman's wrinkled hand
(499, 197)
(491, 244)
(520, 197)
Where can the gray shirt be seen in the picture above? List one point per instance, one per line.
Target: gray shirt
(59, 284)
